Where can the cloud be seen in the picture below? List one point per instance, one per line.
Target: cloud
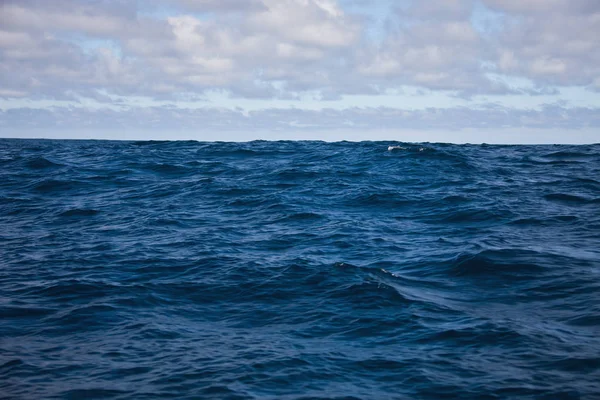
(429, 44)
(537, 7)
(98, 18)
(283, 45)
(214, 120)
(550, 42)
(282, 48)
(40, 56)
(115, 51)
(235, 6)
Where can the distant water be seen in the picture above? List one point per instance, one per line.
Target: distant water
(298, 270)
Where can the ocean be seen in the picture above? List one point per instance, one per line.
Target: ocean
(298, 270)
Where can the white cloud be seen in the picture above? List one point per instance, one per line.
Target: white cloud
(210, 119)
(552, 42)
(319, 23)
(291, 49)
(221, 5)
(261, 47)
(430, 44)
(279, 48)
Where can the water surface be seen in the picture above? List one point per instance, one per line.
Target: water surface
(298, 270)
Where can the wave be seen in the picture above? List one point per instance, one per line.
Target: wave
(298, 270)
(494, 264)
(571, 198)
(41, 163)
(79, 212)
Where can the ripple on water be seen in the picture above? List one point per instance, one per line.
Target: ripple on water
(296, 270)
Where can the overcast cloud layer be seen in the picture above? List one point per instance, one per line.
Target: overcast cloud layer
(170, 66)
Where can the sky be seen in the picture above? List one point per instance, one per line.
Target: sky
(476, 71)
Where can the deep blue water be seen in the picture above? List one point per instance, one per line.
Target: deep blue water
(298, 270)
